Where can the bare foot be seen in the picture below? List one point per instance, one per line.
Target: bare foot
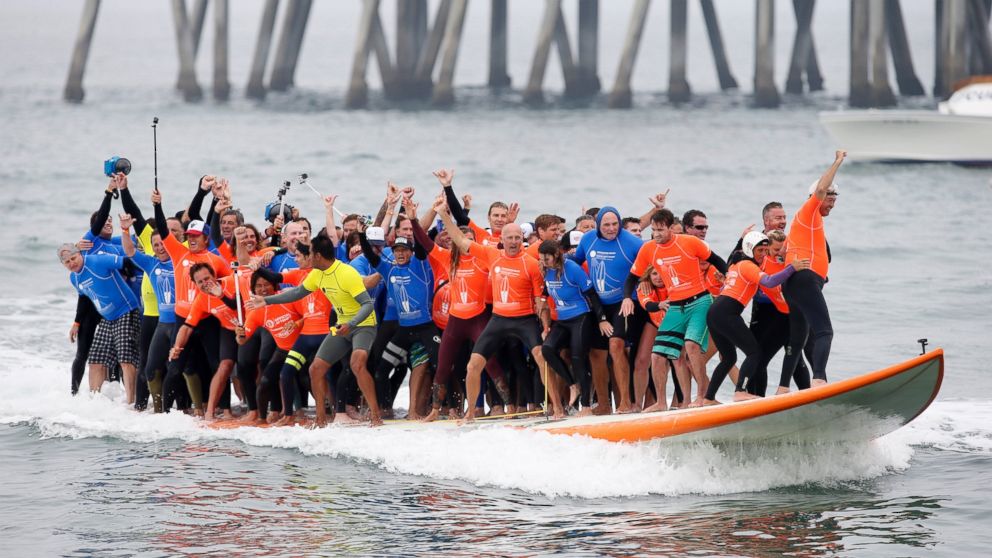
(431, 416)
(659, 406)
(454, 413)
(414, 416)
(375, 420)
(285, 421)
(273, 418)
(318, 422)
(251, 417)
(573, 394)
(469, 418)
(818, 383)
(744, 396)
(601, 409)
(559, 414)
(198, 413)
(496, 411)
(627, 409)
(781, 390)
(227, 414)
(697, 403)
(711, 402)
(352, 412)
(585, 412)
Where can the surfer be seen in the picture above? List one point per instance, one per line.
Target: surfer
(354, 331)
(577, 308)
(677, 257)
(516, 287)
(804, 290)
(724, 317)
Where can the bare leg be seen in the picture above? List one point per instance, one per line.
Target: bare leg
(416, 380)
(600, 381)
(697, 366)
(681, 365)
(366, 384)
(98, 375)
(659, 373)
(551, 383)
(473, 380)
(641, 364)
(318, 386)
(621, 374)
(217, 385)
(130, 381)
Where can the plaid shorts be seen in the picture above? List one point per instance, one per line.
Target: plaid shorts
(117, 340)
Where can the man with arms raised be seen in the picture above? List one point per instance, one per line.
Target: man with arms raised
(804, 290)
(517, 287)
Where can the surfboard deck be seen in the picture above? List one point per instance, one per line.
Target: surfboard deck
(856, 409)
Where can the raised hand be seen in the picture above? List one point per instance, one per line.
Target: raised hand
(467, 202)
(392, 194)
(445, 176)
(207, 182)
(278, 222)
(747, 230)
(410, 206)
(840, 155)
(126, 220)
(658, 200)
(121, 181)
(218, 187)
(441, 206)
(222, 205)
(329, 202)
(156, 197)
(511, 213)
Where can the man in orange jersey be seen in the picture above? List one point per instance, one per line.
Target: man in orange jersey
(517, 287)
(677, 258)
(804, 290)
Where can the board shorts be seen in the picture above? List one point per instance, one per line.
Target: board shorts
(117, 340)
(527, 329)
(684, 321)
(336, 347)
(629, 328)
(417, 355)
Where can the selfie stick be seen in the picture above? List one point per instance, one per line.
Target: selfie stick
(155, 144)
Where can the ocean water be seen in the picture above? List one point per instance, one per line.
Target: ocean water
(86, 476)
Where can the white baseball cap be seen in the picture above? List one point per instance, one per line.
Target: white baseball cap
(195, 227)
(376, 235)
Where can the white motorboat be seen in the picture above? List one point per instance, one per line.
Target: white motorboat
(959, 131)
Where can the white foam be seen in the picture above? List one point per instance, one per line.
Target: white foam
(535, 462)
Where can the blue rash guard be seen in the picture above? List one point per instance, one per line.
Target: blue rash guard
(163, 279)
(410, 288)
(385, 309)
(112, 247)
(567, 290)
(609, 260)
(341, 252)
(100, 281)
(283, 262)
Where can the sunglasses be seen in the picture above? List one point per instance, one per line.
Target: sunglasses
(701, 227)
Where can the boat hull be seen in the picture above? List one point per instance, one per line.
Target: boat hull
(873, 135)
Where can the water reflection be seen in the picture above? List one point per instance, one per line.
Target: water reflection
(223, 499)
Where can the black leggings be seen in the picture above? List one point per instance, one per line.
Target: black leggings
(575, 335)
(270, 383)
(771, 328)
(386, 385)
(296, 362)
(255, 350)
(807, 313)
(148, 326)
(84, 339)
(730, 332)
(157, 357)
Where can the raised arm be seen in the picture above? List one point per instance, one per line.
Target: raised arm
(421, 237)
(370, 255)
(206, 184)
(161, 225)
(827, 180)
(104, 211)
(454, 206)
(127, 241)
(458, 238)
(657, 202)
(130, 207)
(386, 211)
(332, 229)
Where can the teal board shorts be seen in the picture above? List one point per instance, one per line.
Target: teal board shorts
(683, 322)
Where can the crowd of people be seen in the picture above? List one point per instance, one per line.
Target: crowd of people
(503, 318)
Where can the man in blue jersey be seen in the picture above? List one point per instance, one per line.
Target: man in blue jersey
(610, 252)
(98, 277)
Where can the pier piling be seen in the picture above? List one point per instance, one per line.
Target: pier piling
(290, 43)
(881, 92)
(222, 87)
(765, 92)
(678, 85)
(621, 95)
(80, 53)
(184, 44)
(723, 72)
(444, 93)
(498, 77)
(260, 59)
(902, 58)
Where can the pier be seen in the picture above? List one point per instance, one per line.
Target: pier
(417, 61)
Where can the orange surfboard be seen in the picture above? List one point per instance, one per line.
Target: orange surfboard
(856, 409)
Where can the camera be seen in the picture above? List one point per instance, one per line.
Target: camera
(115, 165)
(272, 210)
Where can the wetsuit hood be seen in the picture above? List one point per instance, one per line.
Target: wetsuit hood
(602, 213)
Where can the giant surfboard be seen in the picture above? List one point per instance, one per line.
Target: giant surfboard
(856, 409)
